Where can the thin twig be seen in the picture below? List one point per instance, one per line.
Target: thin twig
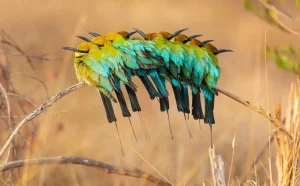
(282, 14)
(38, 111)
(8, 112)
(32, 77)
(271, 7)
(7, 106)
(14, 45)
(287, 28)
(23, 97)
(43, 57)
(259, 110)
(107, 168)
(169, 182)
(43, 114)
(10, 123)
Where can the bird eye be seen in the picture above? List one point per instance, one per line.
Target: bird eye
(80, 53)
(83, 51)
(99, 45)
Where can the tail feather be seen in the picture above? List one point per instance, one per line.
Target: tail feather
(158, 83)
(196, 106)
(120, 97)
(164, 104)
(178, 97)
(209, 111)
(185, 98)
(135, 106)
(148, 84)
(108, 108)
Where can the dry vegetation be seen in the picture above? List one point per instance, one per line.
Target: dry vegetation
(41, 145)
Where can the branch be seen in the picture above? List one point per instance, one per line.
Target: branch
(10, 125)
(281, 13)
(259, 110)
(271, 7)
(109, 169)
(37, 112)
(14, 45)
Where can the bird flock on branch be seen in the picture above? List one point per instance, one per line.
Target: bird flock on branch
(190, 65)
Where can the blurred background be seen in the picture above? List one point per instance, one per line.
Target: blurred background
(76, 125)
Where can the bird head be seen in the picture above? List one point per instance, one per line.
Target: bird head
(170, 36)
(82, 49)
(181, 38)
(166, 35)
(198, 42)
(111, 36)
(214, 49)
(126, 35)
(195, 42)
(100, 41)
(150, 36)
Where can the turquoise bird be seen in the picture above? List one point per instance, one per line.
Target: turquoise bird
(173, 55)
(207, 73)
(91, 71)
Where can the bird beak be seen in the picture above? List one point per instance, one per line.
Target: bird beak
(221, 51)
(191, 37)
(84, 38)
(94, 34)
(140, 32)
(70, 48)
(131, 33)
(177, 32)
(204, 42)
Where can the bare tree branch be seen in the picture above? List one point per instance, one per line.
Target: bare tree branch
(259, 110)
(38, 111)
(10, 127)
(14, 45)
(271, 7)
(282, 14)
(107, 168)
(34, 78)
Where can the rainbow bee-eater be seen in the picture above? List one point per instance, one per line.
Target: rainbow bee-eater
(173, 55)
(129, 57)
(151, 52)
(210, 78)
(187, 68)
(109, 54)
(89, 70)
(136, 51)
(144, 53)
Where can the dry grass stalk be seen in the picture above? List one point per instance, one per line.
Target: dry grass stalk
(109, 169)
(288, 151)
(217, 168)
(37, 112)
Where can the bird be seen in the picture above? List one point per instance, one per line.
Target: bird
(89, 70)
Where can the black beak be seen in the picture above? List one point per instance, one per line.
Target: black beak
(131, 33)
(84, 38)
(191, 37)
(140, 32)
(204, 42)
(221, 51)
(94, 34)
(177, 32)
(70, 48)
